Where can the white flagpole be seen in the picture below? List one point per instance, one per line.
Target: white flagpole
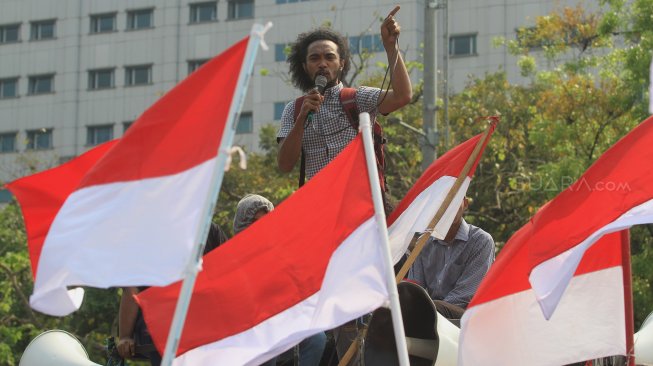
(195, 261)
(650, 90)
(379, 215)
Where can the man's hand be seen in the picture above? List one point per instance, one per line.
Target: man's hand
(126, 347)
(311, 103)
(390, 30)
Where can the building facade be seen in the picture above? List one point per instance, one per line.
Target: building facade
(75, 73)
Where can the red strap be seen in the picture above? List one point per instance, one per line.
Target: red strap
(348, 101)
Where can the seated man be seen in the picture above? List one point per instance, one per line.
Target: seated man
(451, 269)
(251, 208)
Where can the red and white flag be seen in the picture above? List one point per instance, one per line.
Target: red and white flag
(128, 213)
(415, 211)
(555, 295)
(313, 263)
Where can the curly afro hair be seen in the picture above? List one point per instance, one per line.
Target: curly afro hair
(299, 49)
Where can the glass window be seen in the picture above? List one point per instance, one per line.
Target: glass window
(100, 79)
(8, 142)
(126, 125)
(40, 139)
(101, 23)
(245, 123)
(138, 75)
(241, 9)
(367, 43)
(8, 88)
(9, 33)
(195, 64)
(96, 135)
(203, 12)
(43, 29)
(462, 45)
(280, 52)
(140, 19)
(278, 110)
(41, 84)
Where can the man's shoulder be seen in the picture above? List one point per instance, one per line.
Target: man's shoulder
(476, 234)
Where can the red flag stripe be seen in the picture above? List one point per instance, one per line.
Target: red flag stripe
(179, 131)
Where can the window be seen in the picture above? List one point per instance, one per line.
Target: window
(367, 43)
(41, 84)
(241, 9)
(278, 110)
(203, 12)
(280, 52)
(40, 139)
(8, 142)
(195, 64)
(100, 79)
(96, 135)
(245, 123)
(140, 19)
(43, 29)
(138, 75)
(126, 125)
(462, 45)
(8, 88)
(9, 33)
(102, 23)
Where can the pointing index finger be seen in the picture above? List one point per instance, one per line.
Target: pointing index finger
(394, 11)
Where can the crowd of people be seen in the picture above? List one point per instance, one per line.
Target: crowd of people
(314, 130)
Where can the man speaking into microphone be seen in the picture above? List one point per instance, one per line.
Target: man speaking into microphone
(314, 128)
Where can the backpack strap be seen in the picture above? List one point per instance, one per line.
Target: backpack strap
(348, 102)
(302, 164)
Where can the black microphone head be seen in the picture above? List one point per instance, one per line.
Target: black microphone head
(320, 83)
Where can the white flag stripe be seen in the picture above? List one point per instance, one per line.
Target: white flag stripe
(419, 213)
(512, 330)
(348, 290)
(549, 279)
(134, 239)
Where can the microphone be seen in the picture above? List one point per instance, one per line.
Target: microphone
(320, 85)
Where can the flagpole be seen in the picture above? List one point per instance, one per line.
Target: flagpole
(628, 297)
(421, 242)
(379, 215)
(195, 261)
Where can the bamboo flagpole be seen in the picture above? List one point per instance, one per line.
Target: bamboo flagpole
(195, 262)
(379, 214)
(421, 242)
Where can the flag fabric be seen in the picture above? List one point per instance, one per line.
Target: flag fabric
(313, 263)
(415, 211)
(130, 213)
(555, 295)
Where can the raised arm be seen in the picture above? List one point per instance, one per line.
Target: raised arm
(402, 91)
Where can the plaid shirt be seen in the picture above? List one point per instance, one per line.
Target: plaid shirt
(330, 131)
(453, 272)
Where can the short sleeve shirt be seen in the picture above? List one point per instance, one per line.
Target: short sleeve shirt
(329, 131)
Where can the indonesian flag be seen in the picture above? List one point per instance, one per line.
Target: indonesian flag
(414, 213)
(128, 213)
(313, 263)
(555, 295)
